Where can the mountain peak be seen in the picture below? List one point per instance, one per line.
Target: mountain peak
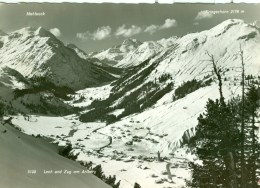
(227, 24)
(131, 41)
(26, 30)
(43, 32)
(228, 21)
(129, 44)
(34, 31)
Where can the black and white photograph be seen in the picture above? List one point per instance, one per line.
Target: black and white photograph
(129, 95)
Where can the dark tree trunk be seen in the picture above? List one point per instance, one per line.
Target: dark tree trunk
(230, 166)
(243, 176)
(253, 149)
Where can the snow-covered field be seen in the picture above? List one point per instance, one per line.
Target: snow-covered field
(129, 148)
(85, 97)
(140, 165)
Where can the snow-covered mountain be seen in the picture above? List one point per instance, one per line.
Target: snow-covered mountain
(187, 57)
(148, 49)
(35, 52)
(132, 52)
(115, 54)
(146, 93)
(138, 55)
(153, 107)
(144, 51)
(20, 94)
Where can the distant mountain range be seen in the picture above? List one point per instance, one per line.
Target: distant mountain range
(130, 105)
(31, 57)
(177, 78)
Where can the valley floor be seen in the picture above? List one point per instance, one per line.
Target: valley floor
(129, 163)
(129, 148)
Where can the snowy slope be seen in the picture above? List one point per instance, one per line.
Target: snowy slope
(187, 57)
(189, 61)
(129, 146)
(35, 52)
(191, 43)
(117, 53)
(184, 60)
(144, 51)
(19, 94)
(163, 126)
(9, 81)
(85, 97)
(21, 153)
(132, 52)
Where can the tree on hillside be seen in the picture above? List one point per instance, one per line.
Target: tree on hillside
(242, 134)
(97, 171)
(136, 185)
(249, 147)
(110, 180)
(226, 137)
(252, 151)
(217, 142)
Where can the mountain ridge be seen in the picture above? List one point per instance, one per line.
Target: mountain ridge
(143, 95)
(140, 122)
(41, 54)
(149, 48)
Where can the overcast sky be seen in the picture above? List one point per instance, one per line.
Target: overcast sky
(94, 27)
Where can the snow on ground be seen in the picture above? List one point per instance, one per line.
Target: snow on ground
(150, 174)
(117, 112)
(61, 129)
(161, 127)
(25, 158)
(88, 139)
(14, 83)
(42, 125)
(85, 97)
(129, 148)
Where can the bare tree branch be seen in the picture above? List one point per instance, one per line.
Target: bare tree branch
(218, 72)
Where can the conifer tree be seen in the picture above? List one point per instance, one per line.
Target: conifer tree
(216, 140)
(252, 152)
(136, 185)
(97, 171)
